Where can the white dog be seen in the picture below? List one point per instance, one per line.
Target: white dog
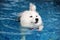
(31, 18)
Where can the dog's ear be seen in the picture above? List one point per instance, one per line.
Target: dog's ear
(32, 7)
(18, 17)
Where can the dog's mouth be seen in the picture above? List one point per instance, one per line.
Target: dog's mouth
(36, 22)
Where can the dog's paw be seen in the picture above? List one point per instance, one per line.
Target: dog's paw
(40, 28)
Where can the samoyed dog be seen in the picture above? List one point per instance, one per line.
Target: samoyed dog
(31, 18)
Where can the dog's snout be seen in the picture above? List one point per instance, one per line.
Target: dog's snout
(36, 19)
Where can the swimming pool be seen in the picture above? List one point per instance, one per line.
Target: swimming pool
(10, 28)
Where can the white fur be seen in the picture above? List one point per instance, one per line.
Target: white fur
(28, 22)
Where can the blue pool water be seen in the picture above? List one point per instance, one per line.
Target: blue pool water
(10, 28)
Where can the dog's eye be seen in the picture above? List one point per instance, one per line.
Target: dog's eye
(30, 16)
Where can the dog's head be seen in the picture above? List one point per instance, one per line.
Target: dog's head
(30, 18)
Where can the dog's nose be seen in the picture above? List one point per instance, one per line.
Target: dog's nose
(36, 20)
